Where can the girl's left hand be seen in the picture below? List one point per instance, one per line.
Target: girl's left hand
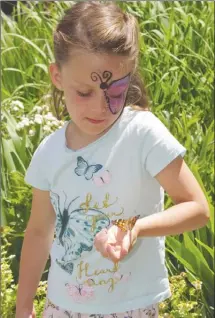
(115, 244)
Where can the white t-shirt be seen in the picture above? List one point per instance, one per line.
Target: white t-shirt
(109, 179)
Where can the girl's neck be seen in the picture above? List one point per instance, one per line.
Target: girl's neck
(77, 139)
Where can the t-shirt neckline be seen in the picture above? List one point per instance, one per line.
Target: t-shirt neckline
(97, 141)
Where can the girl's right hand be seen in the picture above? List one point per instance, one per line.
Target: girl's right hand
(115, 244)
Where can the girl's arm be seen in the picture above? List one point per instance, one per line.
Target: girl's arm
(36, 246)
(190, 211)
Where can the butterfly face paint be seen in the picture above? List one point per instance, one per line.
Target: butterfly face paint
(115, 92)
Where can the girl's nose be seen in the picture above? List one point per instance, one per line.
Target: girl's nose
(100, 104)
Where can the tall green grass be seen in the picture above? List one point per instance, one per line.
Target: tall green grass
(177, 64)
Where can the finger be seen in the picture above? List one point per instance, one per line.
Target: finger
(100, 235)
(100, 240)
(102, 250)
(104, 253)
(132, 244)
(114, 253)
(126, 243)
(105, 256)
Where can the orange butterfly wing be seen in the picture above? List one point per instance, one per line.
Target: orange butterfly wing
(126, 225)
(122, 224)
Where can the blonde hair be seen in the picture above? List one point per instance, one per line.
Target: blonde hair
(100, 28)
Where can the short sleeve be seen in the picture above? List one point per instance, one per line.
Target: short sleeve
(36, 174)
(160, 147)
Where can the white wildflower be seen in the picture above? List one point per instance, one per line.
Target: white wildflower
(47, 96)
(19, 126)
(49, 123)
(15, 108)
(49, 116)
(197, 284)
(55, 123)
(38, 109)
(17, 103)
(46, 128)
(31, 132)
(38, 119)
(45, 108)
(25, 121)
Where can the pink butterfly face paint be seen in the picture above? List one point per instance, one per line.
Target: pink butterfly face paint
(115, 92)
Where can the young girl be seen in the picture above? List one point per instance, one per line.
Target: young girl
(98, 182)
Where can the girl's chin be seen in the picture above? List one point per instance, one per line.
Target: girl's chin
(92, 130)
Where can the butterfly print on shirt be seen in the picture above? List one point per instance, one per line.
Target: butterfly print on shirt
(129, 314)
(150, 312)
(103, 179)
(122, 277)
(75, 230)
(81, 292)
(86, 170)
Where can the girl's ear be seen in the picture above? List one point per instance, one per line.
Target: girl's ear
(55, 75)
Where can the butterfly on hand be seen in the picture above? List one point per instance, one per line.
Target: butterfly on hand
(86, 170)
(126, 224)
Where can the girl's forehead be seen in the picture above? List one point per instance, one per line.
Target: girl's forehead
(80, 67)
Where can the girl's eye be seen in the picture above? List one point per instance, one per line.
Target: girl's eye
(117, 96)
(83, 94)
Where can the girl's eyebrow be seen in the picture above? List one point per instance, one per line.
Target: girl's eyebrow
(117, 82)
(83, 84)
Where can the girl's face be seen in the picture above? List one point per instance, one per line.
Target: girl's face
(95, 88)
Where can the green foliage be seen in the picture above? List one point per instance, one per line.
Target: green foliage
(27, 50)
(8, 286)
(21, 135)
(186, 300)
(17, 207)
(18, 201)
(197, 266)
(40, 299)
(177, 54)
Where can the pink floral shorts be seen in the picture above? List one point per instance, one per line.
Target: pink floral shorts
(52, 311)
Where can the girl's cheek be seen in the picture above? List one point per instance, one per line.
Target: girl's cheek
(78, 99)
(81, 103)
(73, 98)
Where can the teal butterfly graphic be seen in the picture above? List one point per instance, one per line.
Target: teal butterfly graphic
(75, 230)
(86, 170)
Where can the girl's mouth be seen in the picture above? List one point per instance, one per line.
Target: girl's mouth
(95, 121)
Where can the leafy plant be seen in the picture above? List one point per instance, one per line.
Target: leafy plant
(21, 135)
(8, 286)
(186, 300)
